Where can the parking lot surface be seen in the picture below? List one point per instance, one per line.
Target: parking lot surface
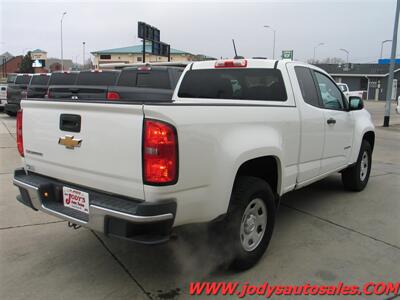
(323, 235)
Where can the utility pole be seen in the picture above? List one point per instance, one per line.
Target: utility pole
(62, 54)
(83, 59)
(391, 68)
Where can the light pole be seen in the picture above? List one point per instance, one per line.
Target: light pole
(83, 59)
(62, 55)
(315, 48)
(274, 31)
(383, 42)
(347, 54)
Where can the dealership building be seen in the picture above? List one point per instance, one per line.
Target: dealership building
(372, 78)
(134, 54)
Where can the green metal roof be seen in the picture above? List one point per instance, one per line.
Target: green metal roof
(38, 51)
(134, 50)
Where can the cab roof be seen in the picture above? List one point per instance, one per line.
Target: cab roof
(241, 63)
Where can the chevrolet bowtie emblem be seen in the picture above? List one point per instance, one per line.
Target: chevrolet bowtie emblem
(69, 142)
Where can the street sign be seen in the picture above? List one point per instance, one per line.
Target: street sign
(287, 54)
(147, 32)
(160, 48)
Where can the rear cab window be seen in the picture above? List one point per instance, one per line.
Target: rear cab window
(343, 87)
(40, 80)
(97, 78)
(63, 78)
(241, 84)
(157, 79)
(22, 79)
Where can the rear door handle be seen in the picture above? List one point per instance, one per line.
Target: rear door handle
(331, 121)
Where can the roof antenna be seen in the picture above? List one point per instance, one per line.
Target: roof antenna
(234, 48)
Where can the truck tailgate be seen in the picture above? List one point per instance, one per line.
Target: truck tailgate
(109, 157)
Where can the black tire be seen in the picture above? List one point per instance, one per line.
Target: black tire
(353, 179)
(246, 191)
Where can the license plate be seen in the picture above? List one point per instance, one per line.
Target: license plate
(76, 199)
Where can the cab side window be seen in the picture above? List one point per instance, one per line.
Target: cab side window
(330, 94)
(307, 86)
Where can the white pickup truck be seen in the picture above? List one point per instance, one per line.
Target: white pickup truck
(236, 136)
(346, 91)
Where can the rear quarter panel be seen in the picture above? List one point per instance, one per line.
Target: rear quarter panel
(214, 141)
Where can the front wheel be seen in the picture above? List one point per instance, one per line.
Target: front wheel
(356, 177)
(249, 223)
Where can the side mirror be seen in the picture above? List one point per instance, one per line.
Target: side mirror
(356, 103)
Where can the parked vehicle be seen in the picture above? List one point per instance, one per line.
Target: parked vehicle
(11, 78)
(15, 93)
(398, 105)
(38, 85)
(91, 85)
(3, 95)
(145, 83)
(140, 83)
(61, 78)
(237, 135)
(346, 91)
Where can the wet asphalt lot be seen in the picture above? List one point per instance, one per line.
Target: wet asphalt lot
(323, 235)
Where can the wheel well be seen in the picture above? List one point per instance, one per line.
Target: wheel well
(370, 138)
(265, 167)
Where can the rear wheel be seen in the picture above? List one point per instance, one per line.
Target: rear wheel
(248, 226)
(356, 177)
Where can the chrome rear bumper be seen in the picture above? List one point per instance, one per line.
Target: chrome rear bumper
(129, 218)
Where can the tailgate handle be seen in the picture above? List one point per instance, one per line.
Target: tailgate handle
(70, 122)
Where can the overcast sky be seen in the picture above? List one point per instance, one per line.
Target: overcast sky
(205, 27)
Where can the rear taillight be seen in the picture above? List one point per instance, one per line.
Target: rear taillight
(20, 142)
(236, 63)
(113, 96)
(160, 153)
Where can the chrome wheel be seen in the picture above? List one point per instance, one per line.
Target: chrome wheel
(364, 166)
(253, 225)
